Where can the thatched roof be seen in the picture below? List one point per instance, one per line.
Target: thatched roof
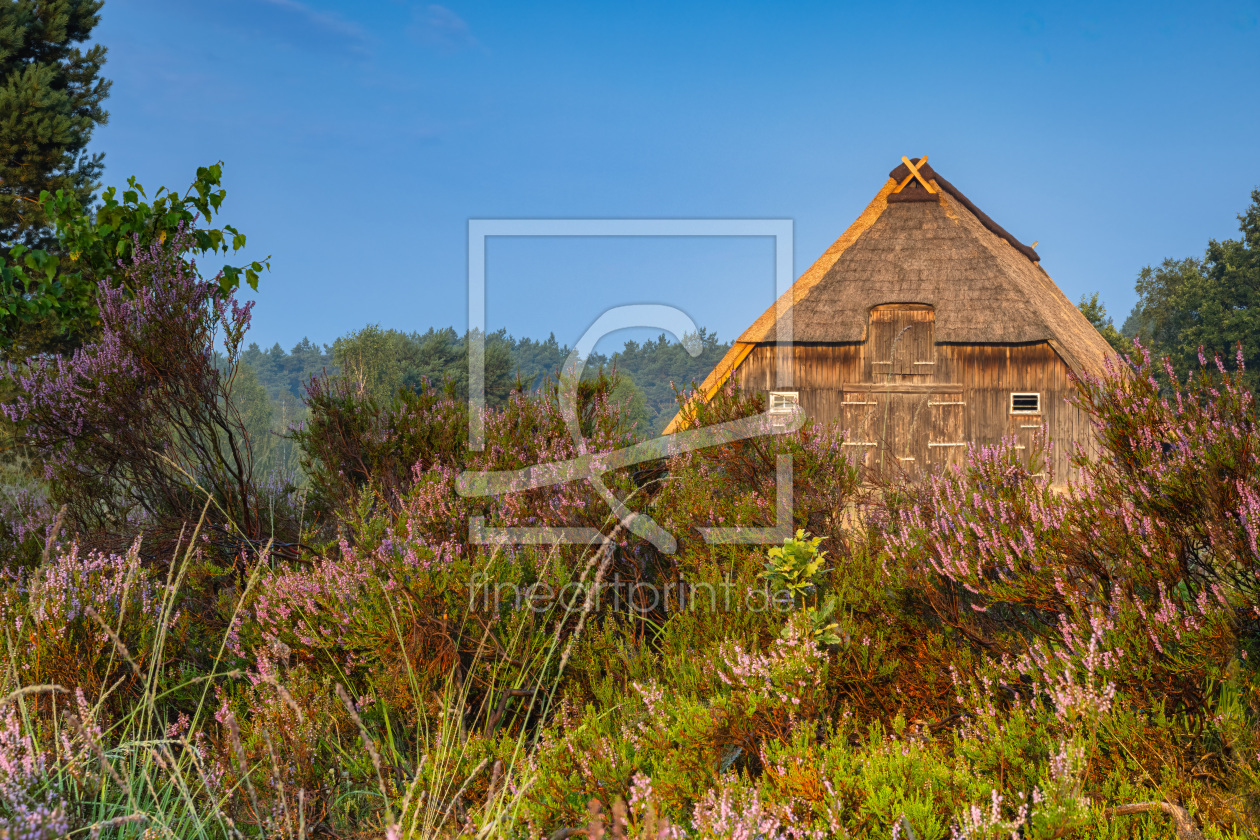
(914, 246)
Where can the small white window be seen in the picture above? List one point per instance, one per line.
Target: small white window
(784, 402)
(1025, 403)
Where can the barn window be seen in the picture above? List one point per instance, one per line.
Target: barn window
(784, 402)
(900, 340)
(1025, 403)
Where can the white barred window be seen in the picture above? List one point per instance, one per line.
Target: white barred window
(1025, 403)
(784, 402)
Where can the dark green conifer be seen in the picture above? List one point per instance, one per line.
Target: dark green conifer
(51, 96)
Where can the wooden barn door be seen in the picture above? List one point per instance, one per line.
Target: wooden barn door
(906, 447)
(860, 414)
(901, 344)
(947, 443)
(887, 430)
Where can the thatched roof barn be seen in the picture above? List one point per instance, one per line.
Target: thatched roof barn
(923, 328)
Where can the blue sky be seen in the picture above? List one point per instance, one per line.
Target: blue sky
(359, 138)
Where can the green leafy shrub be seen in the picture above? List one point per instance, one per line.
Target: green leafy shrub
(794, 570)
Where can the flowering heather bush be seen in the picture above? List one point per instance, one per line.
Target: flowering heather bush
(996, 658)
(28, 524)
(356, 447)
(57, 614)
(354, 444)
(71, 583)
(29, 808)
(138, 426)
(1145, 565)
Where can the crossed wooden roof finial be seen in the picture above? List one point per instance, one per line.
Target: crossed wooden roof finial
(914, 175)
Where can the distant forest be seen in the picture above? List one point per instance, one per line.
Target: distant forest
(271, 384)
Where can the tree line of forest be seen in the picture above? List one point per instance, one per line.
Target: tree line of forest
(272, 384)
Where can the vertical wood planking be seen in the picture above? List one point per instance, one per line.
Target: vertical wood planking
(988, 373)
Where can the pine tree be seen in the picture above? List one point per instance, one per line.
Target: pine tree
(51, 97)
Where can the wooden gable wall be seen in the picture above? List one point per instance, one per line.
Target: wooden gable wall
(908, 402)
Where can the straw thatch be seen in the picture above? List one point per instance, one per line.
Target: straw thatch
(983, 286)
(938, 249)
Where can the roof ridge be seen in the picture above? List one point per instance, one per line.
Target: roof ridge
(928, 172)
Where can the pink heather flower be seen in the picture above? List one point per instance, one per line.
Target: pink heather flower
(640, 793)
